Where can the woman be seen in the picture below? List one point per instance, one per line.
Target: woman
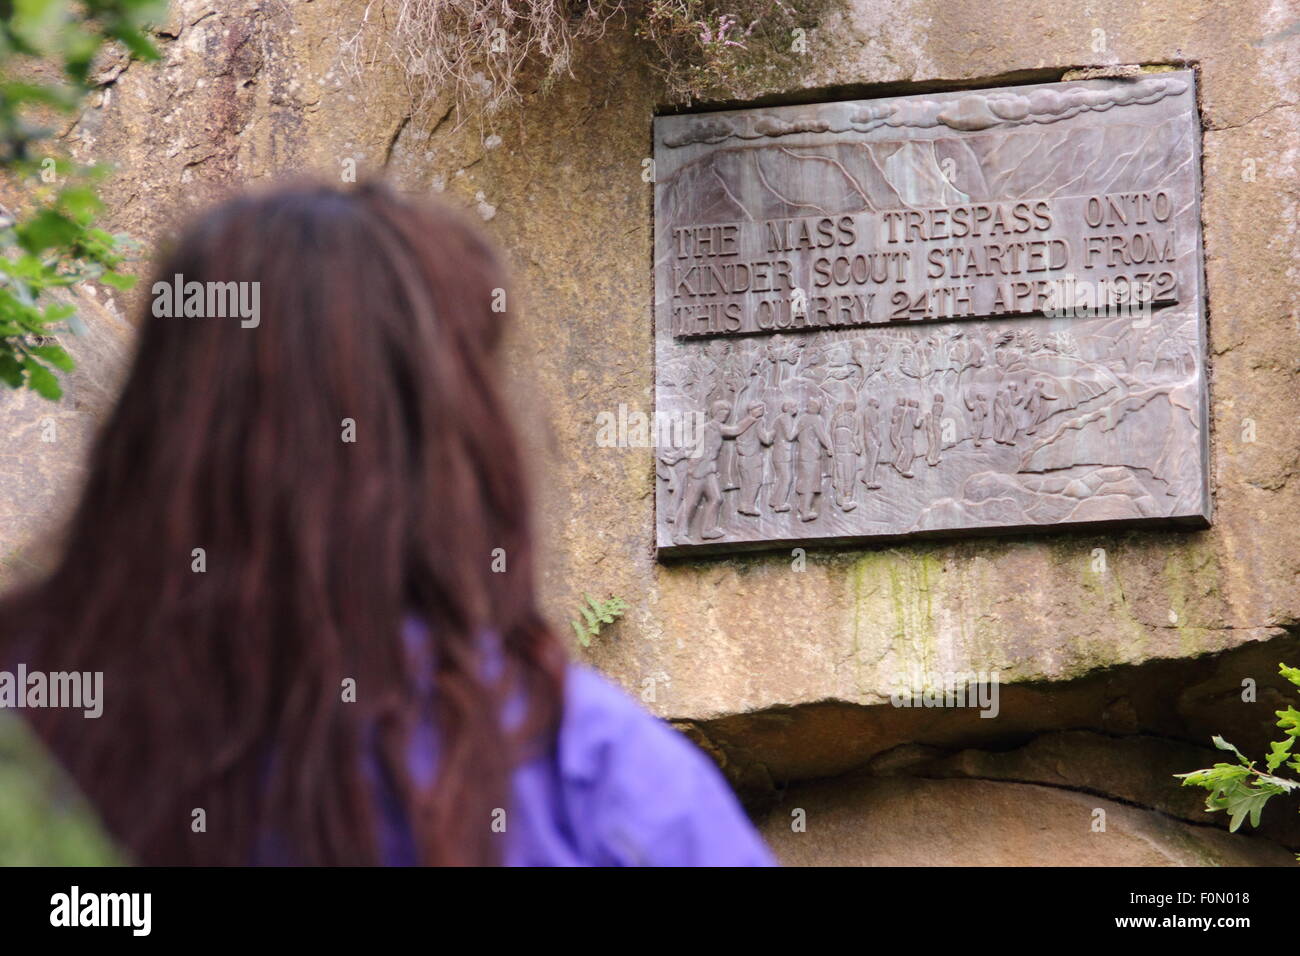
(302, 563)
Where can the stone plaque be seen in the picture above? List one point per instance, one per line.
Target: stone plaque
(954, 312)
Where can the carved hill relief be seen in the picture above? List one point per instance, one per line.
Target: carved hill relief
(863, 324)
(774, 182)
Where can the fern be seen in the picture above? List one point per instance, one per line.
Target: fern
(595, 615)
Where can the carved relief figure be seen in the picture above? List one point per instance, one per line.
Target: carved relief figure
(813, 369)
(957, 353)
(880, 354)
(732, 383)
(782, 353)
(783, 456)
(978, 405)
(670, 466)
(702, 477)
(846, 443)
(933, 423)
(1036, 404)
(902, 440)
(896, 428)
(906, 448)
(813, 443)
(871, 442)
(1176, 355)
(1004, 419)
(750, 441)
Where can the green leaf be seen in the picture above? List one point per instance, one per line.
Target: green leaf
(46, 230)
(583, 638)
(80, 203)
(1289, 720)
(55, 355)
(57, 312)
(136, 43)
(60, 98)
(1224, 745)
(1221, 774)
(42, 380)
(117, 280)
(1290, 673)
(35, 20)
(1276, 784)
(1247, 803)
(79, 49)
(1278, 752)
(11, 371)
(1241, 801)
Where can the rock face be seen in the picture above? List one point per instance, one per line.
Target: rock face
(894, 822)
(783, 665)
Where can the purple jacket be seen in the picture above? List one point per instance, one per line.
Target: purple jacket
(620, 788)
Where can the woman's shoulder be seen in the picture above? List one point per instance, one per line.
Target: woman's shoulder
(639, 791)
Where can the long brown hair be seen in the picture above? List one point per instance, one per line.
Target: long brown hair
(224, 687)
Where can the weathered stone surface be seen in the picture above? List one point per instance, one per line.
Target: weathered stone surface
(1136, 770)
(248, 91)
(1176, 700)
(44, 443)
(895, 821)
(1033, 610)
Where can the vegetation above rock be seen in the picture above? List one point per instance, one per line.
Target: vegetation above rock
(480, 50)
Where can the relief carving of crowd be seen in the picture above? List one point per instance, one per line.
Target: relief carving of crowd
(794, 426)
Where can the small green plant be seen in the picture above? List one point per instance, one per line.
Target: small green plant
(1242, 788)
(52, 243)
(595, 615)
